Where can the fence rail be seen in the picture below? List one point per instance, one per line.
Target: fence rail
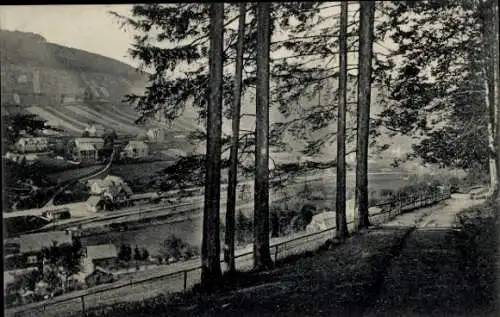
(185, 278)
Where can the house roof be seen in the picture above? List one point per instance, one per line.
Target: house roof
(136, 144)
(113, 179)
(37, 241)
(98, 181)
(88, 140)
(85, 147)
(93, 200)
(101, 251)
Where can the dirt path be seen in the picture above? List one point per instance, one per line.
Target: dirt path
(429, 277)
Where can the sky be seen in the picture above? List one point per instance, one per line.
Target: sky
(87, 27)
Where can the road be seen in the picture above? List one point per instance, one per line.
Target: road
(50, 203)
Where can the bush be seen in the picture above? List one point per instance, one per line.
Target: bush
(281, 221)
(386, 192)
(176, 249)
(304, 217)
(244, 229)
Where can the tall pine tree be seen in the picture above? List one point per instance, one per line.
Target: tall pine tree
(210, 252)
(233, 158)
(340, 210)
(367, 15)
(261, 252)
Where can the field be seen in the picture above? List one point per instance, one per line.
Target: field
(141, 177)
(74, 173)
(74, 118)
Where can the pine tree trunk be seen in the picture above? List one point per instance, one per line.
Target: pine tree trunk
(491, 138)
(233, 156)
(367, 12)
(488, 13)
(496, 62)
(261, 252)
(340, 200)
(210, 253)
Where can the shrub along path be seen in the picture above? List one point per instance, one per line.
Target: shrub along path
(412, 266)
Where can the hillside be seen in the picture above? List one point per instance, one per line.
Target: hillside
(72, 88)
(68, 87)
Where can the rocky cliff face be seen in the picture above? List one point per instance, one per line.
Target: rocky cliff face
(36, 72)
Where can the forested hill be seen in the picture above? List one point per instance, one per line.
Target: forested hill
(41, 72)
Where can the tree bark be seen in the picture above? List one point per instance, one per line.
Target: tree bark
(210, 253)
(496, 62)
(367, 12)
(261, 252)
(233, 156)
(340, 200)
(490, 70)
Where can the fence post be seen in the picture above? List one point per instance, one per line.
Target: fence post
(83, 303)
(275, 253)
(185, 279)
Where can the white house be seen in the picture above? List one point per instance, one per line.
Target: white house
(136, 149)
(29, 144)
(97, 186)
(85, 151)
(93, 202)
(86, 148)
(112, 186)
(98, 143)
(156, 135)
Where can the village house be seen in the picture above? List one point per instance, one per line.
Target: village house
(136, 149)
(85, 152)
(112, 189)
(32, 144)
(156, 135)
(94, 203)
(31, 245)
(102, 255)
(86, 148)
(99, 186)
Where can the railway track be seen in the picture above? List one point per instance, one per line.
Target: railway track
(123, 220)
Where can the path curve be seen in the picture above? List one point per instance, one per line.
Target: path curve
(50, 203)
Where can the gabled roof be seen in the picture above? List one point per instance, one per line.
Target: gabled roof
(101, 251)
(101, 183)
(93, 200)
(114, 179)
(88, 140)
(136, 144)
(37, 241)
